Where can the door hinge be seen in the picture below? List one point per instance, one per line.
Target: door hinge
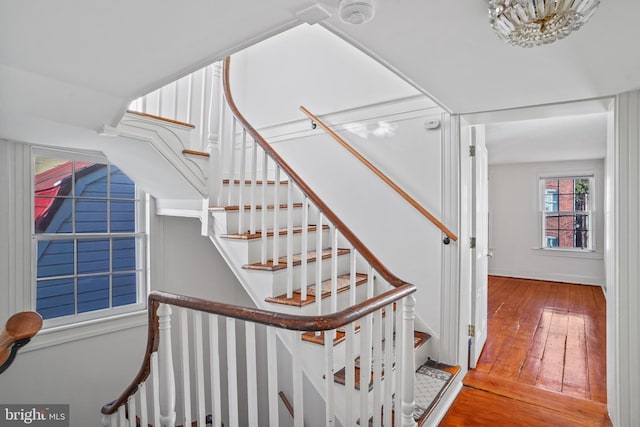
(472, 243)
(472, 151)
(472, 331)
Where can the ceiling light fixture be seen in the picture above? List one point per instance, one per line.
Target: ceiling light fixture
(529, 23)
(356, 11)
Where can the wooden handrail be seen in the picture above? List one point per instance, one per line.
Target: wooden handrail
(19, 329)
(381, 175)
(255, 315)
(164, 119)
(317, 201)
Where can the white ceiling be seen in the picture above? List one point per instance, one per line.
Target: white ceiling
(80, 63)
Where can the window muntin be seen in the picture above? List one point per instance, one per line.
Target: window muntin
(567, 214)
(88, 243)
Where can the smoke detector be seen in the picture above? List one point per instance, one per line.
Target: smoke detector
(356, 11)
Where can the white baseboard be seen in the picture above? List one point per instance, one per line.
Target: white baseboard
(551, 277)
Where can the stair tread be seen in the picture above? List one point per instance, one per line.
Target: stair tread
(297, 260)
(270, 233)
(318, 337)
(258, 182)
(296, 299)
(248, 207)
(432, 381)
(339, 377)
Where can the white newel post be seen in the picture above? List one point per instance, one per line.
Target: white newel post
(165, 362)
(408, 361)
(214, 125)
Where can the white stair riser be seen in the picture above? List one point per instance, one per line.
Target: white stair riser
(279, 278)
(250, 250)
(227, 222)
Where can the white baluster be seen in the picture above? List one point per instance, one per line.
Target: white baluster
(122, 416)
(221, 150)
(276, 214)
(176, 99)
(186, 372)
(319, 263)
(133, 411)
(365, 367)
(165, 355)
(203, 129)
(253, 198)
(155, 394)
(349, 371)
(199, 354)
(106, 420)
(252, 378)
(388, 361)
(334, 269)
(144, 413)
(189, 97)
(243, 177)
(272, 377)
(408, 370)
(113, 421)
(305, 242)
(298, 395)
(232, 163)
(330, 412)
(214, 364)
(289, 238)
(352, 276)
(263, 212)
(232, 376)
(370, 277)
(377, 367)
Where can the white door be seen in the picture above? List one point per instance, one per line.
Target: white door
(479, 254)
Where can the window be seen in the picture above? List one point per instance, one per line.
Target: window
(567, 212)
(88, 243)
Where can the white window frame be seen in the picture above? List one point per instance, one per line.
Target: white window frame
(117, 315)
(590, 175)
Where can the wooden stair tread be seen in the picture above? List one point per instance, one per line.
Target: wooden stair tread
(297, 260)
(318, 337)
(248, 182)
(164, 119)
(590, 410)
(296, 299)
(248, 207)
(340, 376)
(270, 233)
(195, 153)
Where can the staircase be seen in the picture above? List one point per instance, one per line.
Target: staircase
(296, 260)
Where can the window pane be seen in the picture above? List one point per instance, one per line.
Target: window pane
(93, 293)
(93, 256)
(124, 289)
(122, 187)
(124, 254)
(91, 180)
(123, 216)
(55, 258)
(91, 216)
(55, 298)
(550, 200)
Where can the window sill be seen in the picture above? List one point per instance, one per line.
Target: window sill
(569, 253)
(78, 331)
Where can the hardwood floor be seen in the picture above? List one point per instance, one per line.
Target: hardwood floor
(544, 362)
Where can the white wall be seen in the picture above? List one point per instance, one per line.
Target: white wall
(515, 229)
(94, 365)
(308, 66)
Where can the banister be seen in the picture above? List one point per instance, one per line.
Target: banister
(18, 331)
(381, 175)
(255, 315)
(317, 201)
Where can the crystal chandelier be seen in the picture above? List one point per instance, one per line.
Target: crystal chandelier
(529, 23)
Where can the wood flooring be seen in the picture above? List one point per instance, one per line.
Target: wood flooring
(544, 362)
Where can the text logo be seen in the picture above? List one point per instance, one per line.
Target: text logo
(34, 415)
